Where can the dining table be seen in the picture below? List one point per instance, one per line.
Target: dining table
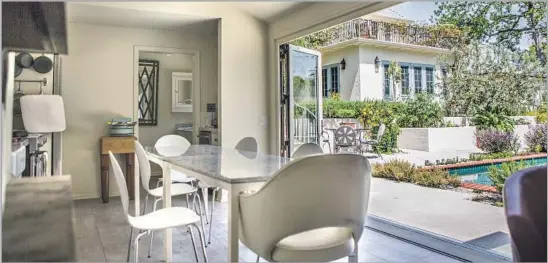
(232, 170)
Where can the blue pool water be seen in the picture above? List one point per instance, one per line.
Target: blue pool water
(478, 174)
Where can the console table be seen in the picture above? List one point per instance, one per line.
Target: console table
(117, 145)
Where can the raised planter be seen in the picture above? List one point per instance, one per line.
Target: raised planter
(446, 139)
(334, 123)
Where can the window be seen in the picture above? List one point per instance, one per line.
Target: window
(429, 80)
(418, 79)
(405, 80)
(335, 79)
(330, 80)
(386, 82)
(324, 83)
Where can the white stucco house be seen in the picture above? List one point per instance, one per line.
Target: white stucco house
(367, 45)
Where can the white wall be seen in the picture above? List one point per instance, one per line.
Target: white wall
(167, 119)
(97, 82)
(350, 85)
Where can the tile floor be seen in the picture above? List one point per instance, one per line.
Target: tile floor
(102, 235)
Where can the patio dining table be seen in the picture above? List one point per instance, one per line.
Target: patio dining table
(230, 169)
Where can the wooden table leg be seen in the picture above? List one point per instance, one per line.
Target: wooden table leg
(129, 174)
(104, 177)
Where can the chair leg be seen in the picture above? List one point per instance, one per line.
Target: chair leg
(202, 241)
(145, 205)
(205, 208)
(201, 215)
(129, 244)
(136, 259)
(152, 232)
(354, 256)
(211, 216)
(257, 258)
(329, 145)
(193, 243)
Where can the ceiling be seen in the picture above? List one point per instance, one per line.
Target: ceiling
(113, 16)
(269, 11)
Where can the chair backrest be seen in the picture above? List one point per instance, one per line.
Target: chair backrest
(248, 144)
(380, 132)
(172, 140)
(120, 182)
(345, 136)
(525, 205)
(307, 149)
(144, 166)
(310, 193)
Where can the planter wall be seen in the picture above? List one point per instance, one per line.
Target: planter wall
(465, 121)
(334, 123)
(446, 139)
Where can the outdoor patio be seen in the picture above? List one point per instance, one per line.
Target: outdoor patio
(102, 235)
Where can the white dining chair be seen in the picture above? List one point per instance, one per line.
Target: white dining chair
(307, 149)
(313, 209)
(157, 193)
(177, 142)
(157, 220)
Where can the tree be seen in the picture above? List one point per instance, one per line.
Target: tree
(489, 78)
(498, 22)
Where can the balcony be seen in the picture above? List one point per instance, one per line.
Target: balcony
(444, 36)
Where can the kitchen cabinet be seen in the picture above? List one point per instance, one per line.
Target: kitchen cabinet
(182, 92)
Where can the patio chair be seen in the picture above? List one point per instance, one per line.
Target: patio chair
(307, 149)
(345, 137)
(374, 142)
(157, 220)
(300, 221)
(326, 140)
(525, 206)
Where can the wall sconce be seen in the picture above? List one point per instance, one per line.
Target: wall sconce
(343, 64)
(377, 64)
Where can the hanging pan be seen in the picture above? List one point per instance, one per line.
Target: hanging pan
(17, 70)
(24, 60)
(43, 64)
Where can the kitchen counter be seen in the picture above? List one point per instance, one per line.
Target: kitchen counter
(37, 222)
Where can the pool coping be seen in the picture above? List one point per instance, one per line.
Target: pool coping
(481, 187)
(482, 162)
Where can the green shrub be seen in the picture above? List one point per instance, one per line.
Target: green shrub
(346, 113)
(490, 156)
(421, 111)
(499, 175)
(403, 171)
(489, 120)
(398, 170)
(436, 178)
(540, 113)
(377, 112)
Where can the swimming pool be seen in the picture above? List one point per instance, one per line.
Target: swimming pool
(478, 174)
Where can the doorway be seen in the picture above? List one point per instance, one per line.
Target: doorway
(300, 97)
(166, 93)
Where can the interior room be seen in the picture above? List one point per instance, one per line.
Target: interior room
(197, 131)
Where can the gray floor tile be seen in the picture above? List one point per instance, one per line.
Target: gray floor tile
(103, 234)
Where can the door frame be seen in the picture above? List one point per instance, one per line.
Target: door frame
(319, 99)
(196, 104)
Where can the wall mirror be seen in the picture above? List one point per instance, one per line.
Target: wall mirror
(182, 87)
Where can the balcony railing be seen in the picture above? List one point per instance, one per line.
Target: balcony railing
(392, 32)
